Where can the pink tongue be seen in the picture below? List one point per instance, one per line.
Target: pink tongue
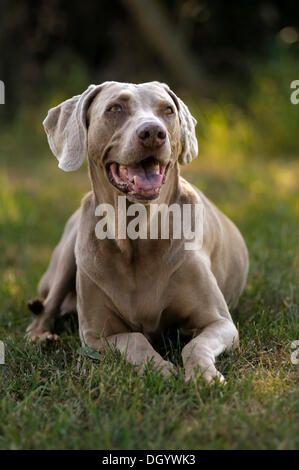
(146, 178)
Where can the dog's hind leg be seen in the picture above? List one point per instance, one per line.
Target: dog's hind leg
(58, 282)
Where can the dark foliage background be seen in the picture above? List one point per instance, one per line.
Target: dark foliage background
(122, 40)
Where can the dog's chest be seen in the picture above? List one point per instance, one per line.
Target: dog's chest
(139, 289)
(138, 296)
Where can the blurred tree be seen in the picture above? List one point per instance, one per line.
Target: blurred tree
(187, 43)
(162, 37)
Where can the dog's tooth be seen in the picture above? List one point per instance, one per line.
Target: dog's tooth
(124, 168)
(157, 168)
(135, 179)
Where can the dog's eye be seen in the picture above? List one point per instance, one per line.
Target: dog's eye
(116, 108)
(168, 110)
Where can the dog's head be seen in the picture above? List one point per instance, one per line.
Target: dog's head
(134, 133)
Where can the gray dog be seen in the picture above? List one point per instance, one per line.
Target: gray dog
(124, 290)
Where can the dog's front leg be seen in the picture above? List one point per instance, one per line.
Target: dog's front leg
(207, 314)
(101, 328)
(138, 351)
(200, 354)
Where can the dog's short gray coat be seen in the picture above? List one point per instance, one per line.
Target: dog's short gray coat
(127, 290)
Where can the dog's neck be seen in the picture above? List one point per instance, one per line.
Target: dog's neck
(105, 193)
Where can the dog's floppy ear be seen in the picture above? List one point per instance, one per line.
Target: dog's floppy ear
(188, 136)
(66, 129)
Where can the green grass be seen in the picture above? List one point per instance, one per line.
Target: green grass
(59, 399)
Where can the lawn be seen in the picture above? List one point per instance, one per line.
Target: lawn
(60, 399)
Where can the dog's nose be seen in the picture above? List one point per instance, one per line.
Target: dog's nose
(151, 135)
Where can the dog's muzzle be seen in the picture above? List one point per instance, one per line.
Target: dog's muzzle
(140, 181)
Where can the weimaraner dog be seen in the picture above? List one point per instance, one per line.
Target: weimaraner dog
(127, 290)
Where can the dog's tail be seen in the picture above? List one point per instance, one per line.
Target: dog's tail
(36, 306)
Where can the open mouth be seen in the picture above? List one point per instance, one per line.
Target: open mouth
(141, 181)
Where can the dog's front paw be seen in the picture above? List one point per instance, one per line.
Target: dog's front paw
(210, 375)
(167, 369)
